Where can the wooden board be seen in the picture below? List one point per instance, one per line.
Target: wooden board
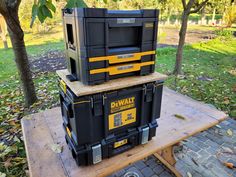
(44, 129)
(80, 89)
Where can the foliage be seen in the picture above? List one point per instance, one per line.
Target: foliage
(230, 15)
(25, 14)
(224, 32)
(75, 3)
(42, 9)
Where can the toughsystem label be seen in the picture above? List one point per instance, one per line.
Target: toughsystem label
(122, 118)
(149, 25)
(125, 67)
(122, 104)
(125, 20)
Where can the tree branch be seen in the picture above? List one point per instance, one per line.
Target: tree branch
(184, 4)
(2, 7)
(199, 7)
(189, 5)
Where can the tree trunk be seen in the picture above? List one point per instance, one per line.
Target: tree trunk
(17, 38)
(213, 15)
(182, 34)
(203, 16)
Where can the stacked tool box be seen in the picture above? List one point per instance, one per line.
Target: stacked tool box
(103, 45)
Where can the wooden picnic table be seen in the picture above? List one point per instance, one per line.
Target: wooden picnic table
(44, 129)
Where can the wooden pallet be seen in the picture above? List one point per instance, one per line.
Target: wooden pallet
(43, 129)
(79, 89)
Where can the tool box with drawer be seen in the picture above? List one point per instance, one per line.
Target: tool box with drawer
(105, 44)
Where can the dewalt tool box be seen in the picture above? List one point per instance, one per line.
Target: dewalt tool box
(105, 44)
(104, 124)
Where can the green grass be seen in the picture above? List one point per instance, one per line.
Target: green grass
(36, 44)
(214, 60)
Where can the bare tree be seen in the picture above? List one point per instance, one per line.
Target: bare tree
(9, 10)
(182, 33)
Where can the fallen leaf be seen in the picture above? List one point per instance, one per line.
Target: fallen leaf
(179, 116)
(16, 139)
(1, 130)
(230, 132)
(7, 163)
(218, 126)
(56, 148)
(232, 72)
(2, 174)
(12, 122)
(227, 150)
(189, 174)
(28, 118)
(234, 88)
(226, 101)
(229, 165)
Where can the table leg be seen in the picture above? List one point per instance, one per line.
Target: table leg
(167, 158)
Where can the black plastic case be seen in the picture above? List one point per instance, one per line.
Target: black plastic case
(107, 118)
(94, 37)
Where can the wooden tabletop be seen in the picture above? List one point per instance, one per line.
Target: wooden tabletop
(43, 129)
(80, 89)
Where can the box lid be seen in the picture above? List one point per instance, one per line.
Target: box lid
(105, 13)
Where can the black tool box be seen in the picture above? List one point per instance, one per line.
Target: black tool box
(103, 44)
(105, 124)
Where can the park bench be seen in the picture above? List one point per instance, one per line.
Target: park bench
(181, 117)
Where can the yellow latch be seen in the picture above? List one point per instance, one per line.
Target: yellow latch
(63, 86)
(120, 143)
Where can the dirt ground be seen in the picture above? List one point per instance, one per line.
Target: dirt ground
(169, 36)
(55, 59)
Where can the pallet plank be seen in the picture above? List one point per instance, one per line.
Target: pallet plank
(80, 89)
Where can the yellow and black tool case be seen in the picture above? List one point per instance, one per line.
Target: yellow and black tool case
(99, 39)
(107, 123)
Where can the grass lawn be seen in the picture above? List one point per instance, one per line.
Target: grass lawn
(36, 45)
(209, 76)
(209, 72)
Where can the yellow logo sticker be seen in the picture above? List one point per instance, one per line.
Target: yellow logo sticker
(122, 104)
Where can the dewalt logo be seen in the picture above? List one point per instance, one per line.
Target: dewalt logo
(122, 104)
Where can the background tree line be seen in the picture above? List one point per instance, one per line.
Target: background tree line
(169, 10)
